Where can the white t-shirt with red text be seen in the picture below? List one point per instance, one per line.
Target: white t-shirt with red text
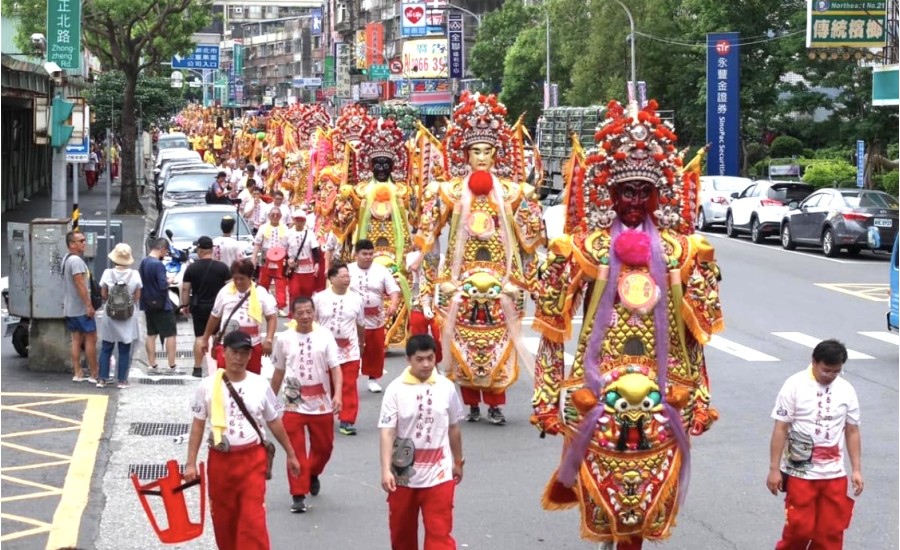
(373, 285)
(340, 314)
(303, 256)
(258, 397)
(227, 301)
(307, 360)
(818, 415)
(422, 413)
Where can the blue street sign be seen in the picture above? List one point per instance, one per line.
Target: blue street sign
(79, 154)
(723, 104)
(860, 163)
(203, 57)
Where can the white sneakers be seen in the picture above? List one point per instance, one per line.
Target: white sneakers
(374, 387)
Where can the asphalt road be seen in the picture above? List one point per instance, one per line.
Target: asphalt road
(773, 304)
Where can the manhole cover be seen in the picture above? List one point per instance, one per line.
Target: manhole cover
(162, 381)
(157, 428)
(151, 471)
(186, 354)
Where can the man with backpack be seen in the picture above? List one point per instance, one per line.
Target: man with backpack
(78, 308)
(202, 281)
(158, 310)
(121, 288)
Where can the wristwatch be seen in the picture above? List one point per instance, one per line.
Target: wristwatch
(461, 462)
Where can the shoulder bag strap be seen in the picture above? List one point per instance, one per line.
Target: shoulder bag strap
(237, 307)
(302, 242)
(240, 403)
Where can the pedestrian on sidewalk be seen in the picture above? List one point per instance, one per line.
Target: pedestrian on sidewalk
(373, 282)
(78, 309)
(236, 464)
(303, 257)
(816, 421)
(421, 450)
(272, 238)
(158, 311)
(242, 305)
(305, 358)
(202, 281)
(90, 169)
(341, 312)
(120, 287)
(226, 248)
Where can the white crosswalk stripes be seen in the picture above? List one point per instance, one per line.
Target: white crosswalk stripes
(889, 337)
(738, 350)
(812, 341)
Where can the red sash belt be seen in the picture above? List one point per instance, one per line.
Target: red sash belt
(342, 342)
(314, 390)
(429, 456)
(826, 454)
(249, 330)
(373, 310)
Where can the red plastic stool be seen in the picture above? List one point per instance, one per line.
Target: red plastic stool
(171, 489)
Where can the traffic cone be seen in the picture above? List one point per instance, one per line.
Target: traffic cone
(170, 488)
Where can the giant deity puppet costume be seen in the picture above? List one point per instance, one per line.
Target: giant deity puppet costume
(486, 277)
(638, 388)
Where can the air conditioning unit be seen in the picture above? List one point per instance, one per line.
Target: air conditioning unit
(237, 10)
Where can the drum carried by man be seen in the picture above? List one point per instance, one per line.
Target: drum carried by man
(272, 240)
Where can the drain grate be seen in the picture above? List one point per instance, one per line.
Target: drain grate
(151, 471)
(185, 354)
(162, 381)
(157, 428)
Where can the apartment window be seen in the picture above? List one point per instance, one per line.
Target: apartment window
(254, 12)
(316, 42)
(343, 14)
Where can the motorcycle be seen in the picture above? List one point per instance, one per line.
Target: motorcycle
(176, 263)
(15, 326)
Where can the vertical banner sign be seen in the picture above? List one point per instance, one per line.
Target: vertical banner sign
(342, 69)
(359, 61)
(316, 26)
(329, 77)
(375, 43)
(860, 163)
(455, 32)
(632, 92)
(64, 33)
(723, 103)
(642, 93)
(412, 19)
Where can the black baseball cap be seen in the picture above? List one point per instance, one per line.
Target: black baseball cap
(205, 243)
(237, 340)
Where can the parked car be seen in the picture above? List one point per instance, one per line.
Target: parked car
(186, 188)
(715, 196)
(174, 166)
(759, 209)
(842, 218)
(554, 216)
(174, 140)
(189, 223)
(168, 155)
(893, 315)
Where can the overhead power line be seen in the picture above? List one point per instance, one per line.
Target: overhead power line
(704, 45)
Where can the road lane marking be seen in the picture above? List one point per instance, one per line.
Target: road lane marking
(874, 292)
(763, 247)
(888, 337)
(738, 350)
(812, 342)
(39, 527)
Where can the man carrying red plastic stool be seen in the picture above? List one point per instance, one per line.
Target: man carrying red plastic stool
(303, 257)
(373, 282)
(306, 361)
(421, 319)
(341, 312)
(272, 239)
(237, 459)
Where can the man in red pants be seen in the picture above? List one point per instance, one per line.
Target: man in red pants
(341, 312)
(816, 417)
(373, 282)
(306, 360)
(421, 450)
(303, 257)
(271, 236)
(237, 460)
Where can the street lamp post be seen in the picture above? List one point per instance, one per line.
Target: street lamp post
(633, 63)
(464, 10)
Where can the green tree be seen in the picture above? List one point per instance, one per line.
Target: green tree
(496, 35)
(154, 96)
(131, 36)
(523, 72)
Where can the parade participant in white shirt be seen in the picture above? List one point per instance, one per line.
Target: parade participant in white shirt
(255, 312)
(226, 248)
(421, 450)
(306, 361)
(303, 257)
(278, 202)
(373, 282)
(340, 310)
(237, 459)
(273, 235)
(255, 210)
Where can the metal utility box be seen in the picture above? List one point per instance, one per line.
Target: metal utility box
(98, 244)
(36, 255)
(554, 138)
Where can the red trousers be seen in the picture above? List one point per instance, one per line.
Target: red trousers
(817, 511)
(237, 498)
(90, 177)
(473, 397)
(321, 443)
(302, 284)
(373, 356)
(254, 365)
(321, 279)
(436, 504)
(349, 392)
(419, 324)
(265, 279)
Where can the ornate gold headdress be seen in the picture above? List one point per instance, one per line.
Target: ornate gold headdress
(478, 119)
(383, 138)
